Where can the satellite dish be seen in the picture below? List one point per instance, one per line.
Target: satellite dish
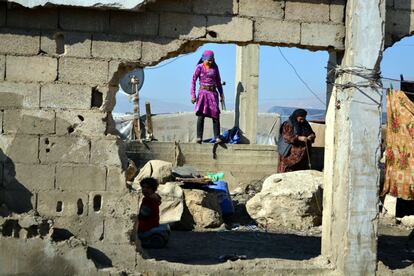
(132, 82)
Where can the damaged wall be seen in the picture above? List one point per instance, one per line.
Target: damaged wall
(59, 71)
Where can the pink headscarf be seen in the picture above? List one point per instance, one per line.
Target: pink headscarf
(208, 54)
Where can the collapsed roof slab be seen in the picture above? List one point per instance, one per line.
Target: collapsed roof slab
(107, 4)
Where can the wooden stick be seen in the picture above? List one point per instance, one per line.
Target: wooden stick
(150, 134)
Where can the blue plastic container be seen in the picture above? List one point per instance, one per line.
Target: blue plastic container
(223, 196)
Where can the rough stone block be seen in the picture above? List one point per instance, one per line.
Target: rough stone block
(82, 71)
(84, 20)
(157, 49)
(24, 95)
(311, 11)
(2, 67)
(118, 230)
(267, 8)
(182, 25)
(31, 69)
(223, 7)
(337, 11)
(32, 18)
(80, 178)
(31, 177)
(19, 148)
(323, 35)
(229, 28)
(115, 179)
(170, 6)
(66, 96)
(113, 205)
(116, 47)
(269, 30)
(63, 149)
(88, 123)
(91, 229)
(135, 23)
(29, 121)
(62, 204)
(19, 42)
(404, 5)
(75, 44)
(108, 152)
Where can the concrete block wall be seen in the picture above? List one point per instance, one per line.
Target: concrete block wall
(399, 21)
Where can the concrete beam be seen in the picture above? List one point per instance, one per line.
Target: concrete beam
(247, 86)
(350, 218)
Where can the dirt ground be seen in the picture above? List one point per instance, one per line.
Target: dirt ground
(248, 242)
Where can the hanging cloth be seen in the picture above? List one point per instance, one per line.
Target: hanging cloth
(399, 153)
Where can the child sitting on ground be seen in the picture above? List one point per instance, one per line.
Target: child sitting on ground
(150, 232)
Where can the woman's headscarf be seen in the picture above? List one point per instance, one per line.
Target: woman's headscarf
(300, 128)
(207, 55)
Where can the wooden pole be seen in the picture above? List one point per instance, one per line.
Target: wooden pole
(150, 133)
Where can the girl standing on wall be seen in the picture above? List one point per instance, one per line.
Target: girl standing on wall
(207, 100)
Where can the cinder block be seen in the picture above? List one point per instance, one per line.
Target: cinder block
(389, 3)
(397, 23)
(337, 11)
(309, 11)
(158, 48)
(31, 177)
(229, 28)
(404, 5)
(267, 8)
(19, 42)
(135, 23)
(80, 178)
(113, 205)
(183, 26)
(2, 67)
(75, 44)
(24, 95)
(62, 204)
(116, 47)
(43, 18)
(83, 71)
(170, 6)
(63, 149)
(323, 35)
(29, 121)
(118, 230)
(108, 152)
(31, 69)
(66, 96)
(270, 30)
(19, 148)
(84, 20)
(88, 123)
(115, 179)
(91, 229)
(223, 7)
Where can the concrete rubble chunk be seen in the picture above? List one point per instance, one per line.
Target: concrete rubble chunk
(408, 221)
(201, 210)
(172, 202)
(158, 169)
(290, 200)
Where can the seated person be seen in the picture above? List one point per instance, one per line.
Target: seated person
(150, 232)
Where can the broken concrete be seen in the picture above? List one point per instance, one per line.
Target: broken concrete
(290, 200)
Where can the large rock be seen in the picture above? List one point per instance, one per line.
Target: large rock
(158, 169)
(172, 202)
(289, 201)
(201, 210)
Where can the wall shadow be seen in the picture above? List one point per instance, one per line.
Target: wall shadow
(396, 252)
(253, 245)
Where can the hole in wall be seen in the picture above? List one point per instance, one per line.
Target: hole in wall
(47, 141)
(81, 118)
(97, 98)
(61, 234)
(80, 206)
(212, 34)
(32, 231)
(47, 150)
(60, 43)
(59, 206)
(97, 203)
(71, 129)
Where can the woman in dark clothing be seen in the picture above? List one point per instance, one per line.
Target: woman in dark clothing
(295, 142)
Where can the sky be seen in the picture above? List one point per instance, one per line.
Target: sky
(167, 84)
